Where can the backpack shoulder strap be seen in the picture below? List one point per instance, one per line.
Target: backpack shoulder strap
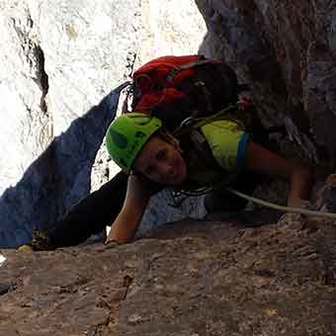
(209, 173)
(202, 149)
(177, 69)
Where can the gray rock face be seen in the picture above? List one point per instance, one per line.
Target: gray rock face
(206, 279)
(320, 97)
(270, 44)
(23, 84)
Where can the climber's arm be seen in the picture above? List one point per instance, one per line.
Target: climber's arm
(125, 225)
(261, 160)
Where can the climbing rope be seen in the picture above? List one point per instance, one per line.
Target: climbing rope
(282, 207)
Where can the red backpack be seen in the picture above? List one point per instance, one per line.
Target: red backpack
(176, 87)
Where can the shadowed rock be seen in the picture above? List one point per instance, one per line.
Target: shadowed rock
(58, 179)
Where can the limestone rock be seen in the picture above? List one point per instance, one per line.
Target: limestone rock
(320, 97)
(215, 279)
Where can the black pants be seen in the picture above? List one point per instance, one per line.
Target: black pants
(91, 215)
(99, 209)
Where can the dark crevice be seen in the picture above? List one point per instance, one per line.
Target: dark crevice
(42, 77)
(33, 51)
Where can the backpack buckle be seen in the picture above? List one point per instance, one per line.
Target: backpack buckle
(184, 126)
(173, 73)
(187, 122)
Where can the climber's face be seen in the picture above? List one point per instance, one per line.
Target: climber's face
(162, 162)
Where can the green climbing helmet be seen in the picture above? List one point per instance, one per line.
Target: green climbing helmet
(127, 135)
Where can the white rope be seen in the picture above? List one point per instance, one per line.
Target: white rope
(282, 207)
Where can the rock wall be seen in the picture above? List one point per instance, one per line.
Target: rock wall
(58, 178)
(286, 52)
(203, 280)
(217, 278)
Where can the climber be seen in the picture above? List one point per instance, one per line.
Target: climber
(173, 89)
(204, 154)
